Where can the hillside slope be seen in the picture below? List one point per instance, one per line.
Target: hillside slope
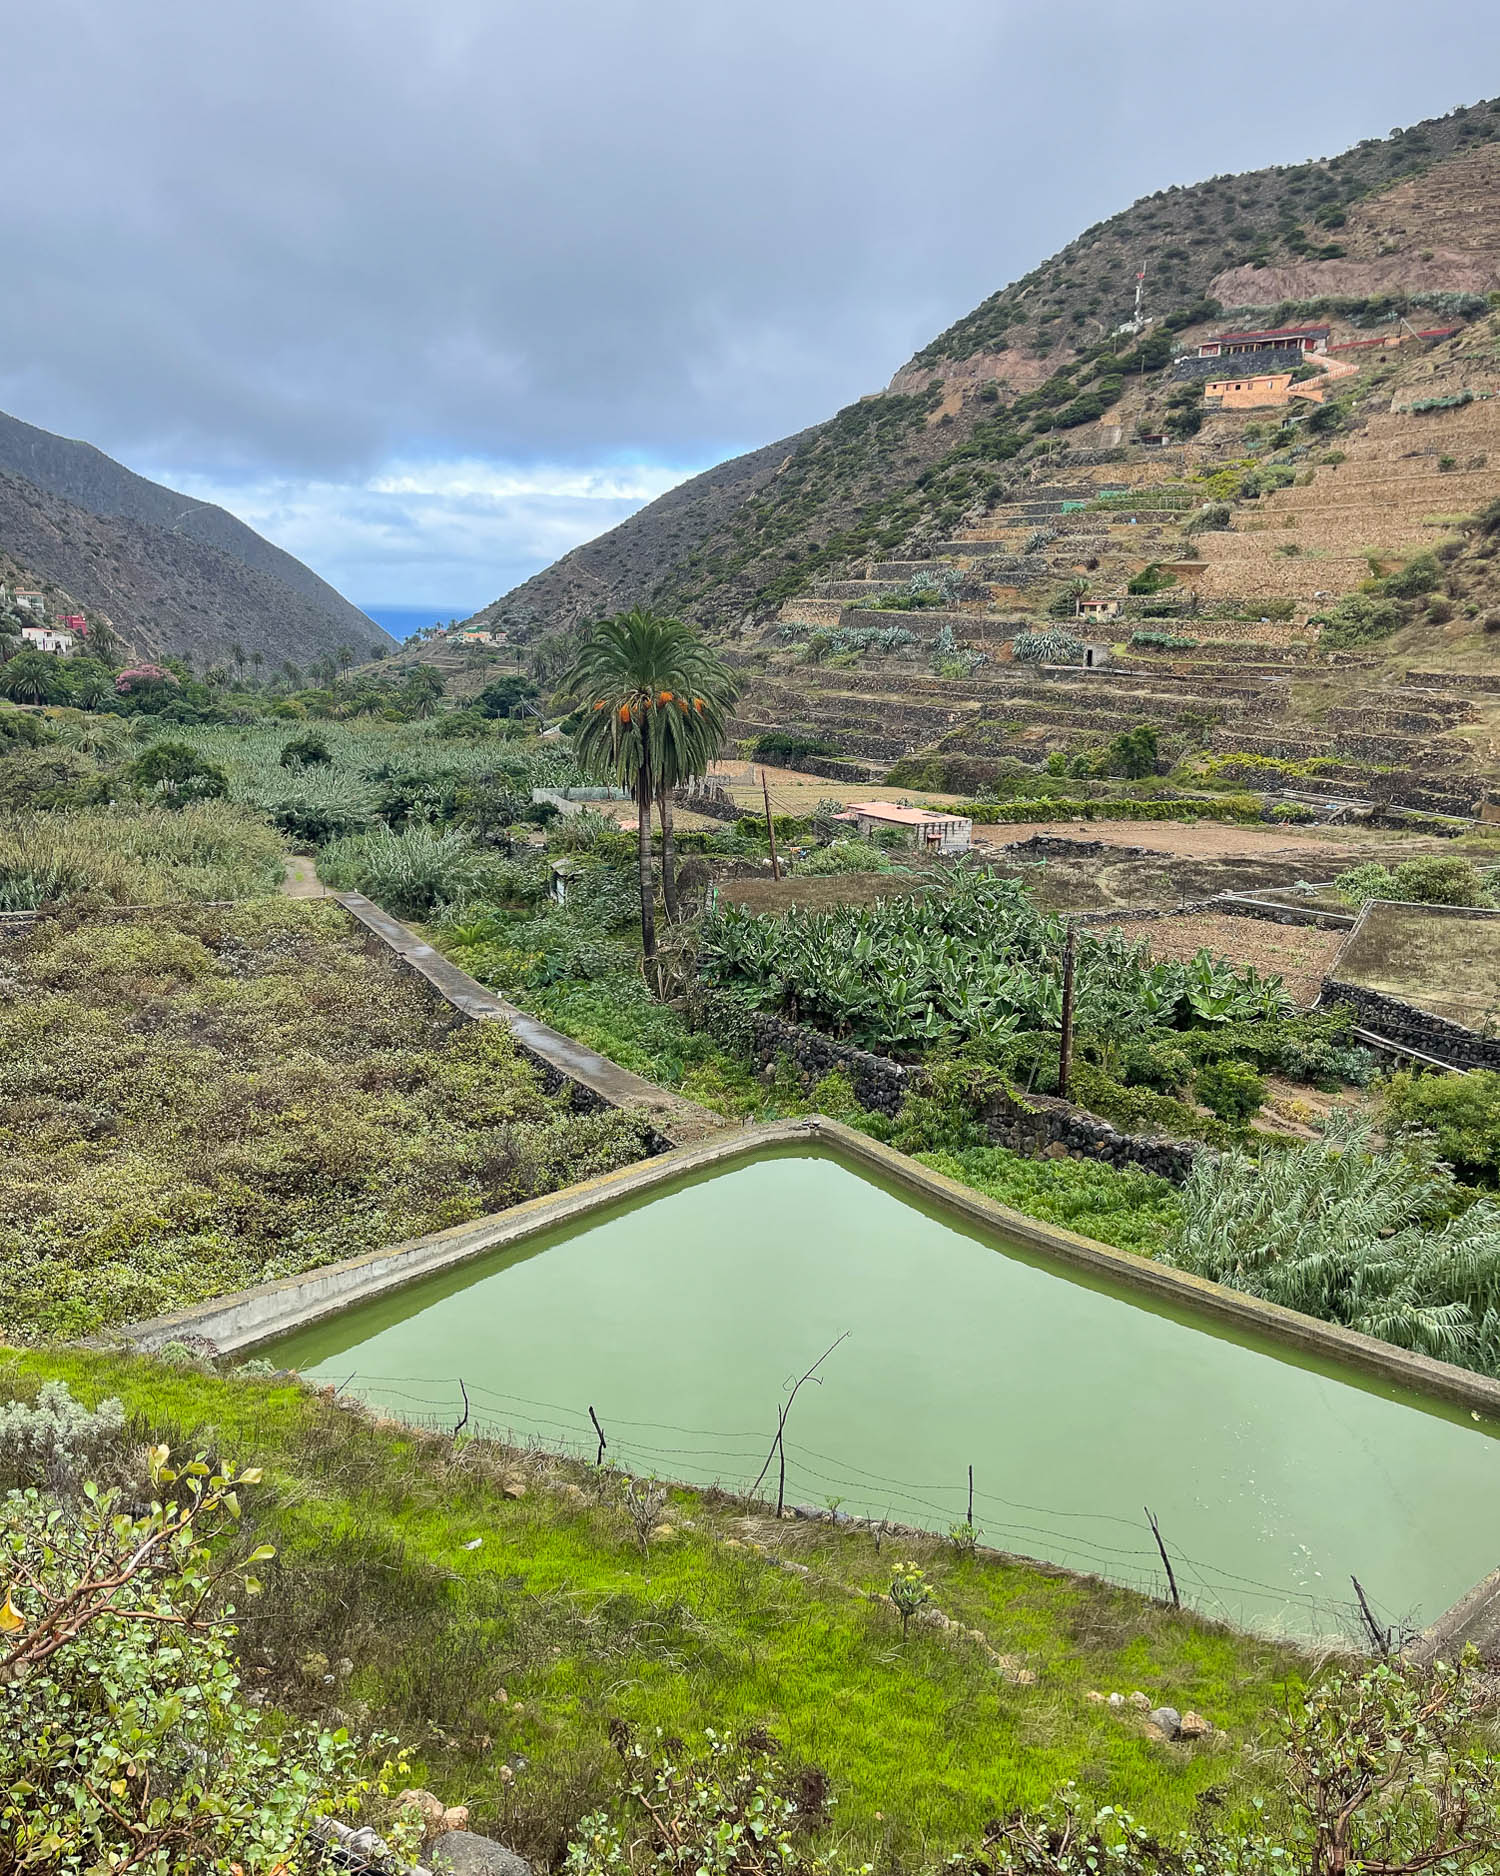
(162, 590)
(174, 573)
(1415, 216)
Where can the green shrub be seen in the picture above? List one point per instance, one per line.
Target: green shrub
(1360, 884)
(306, 752)
(844, 856)
(1374, 1240)
(410, 873)
(1230, 1090)
(1461, 1112)
(1358, 619)
(1148, 1063)
(121, 1749)
(1438, 880)
(1420, 575)
(1441, 880)
(175, 773)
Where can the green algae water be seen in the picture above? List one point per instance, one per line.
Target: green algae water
(683, 1317)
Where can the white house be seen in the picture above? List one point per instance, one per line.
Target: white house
(928, 830)
(48, 638)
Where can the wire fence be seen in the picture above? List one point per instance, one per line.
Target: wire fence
(1119, 1549)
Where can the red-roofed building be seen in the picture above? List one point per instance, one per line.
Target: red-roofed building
(1271, 339)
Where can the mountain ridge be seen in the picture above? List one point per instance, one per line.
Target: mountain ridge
(174, 574)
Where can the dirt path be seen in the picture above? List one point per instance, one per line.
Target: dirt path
(302, 880)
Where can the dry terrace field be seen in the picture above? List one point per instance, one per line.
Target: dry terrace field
(1437, 957)
(1333, 848)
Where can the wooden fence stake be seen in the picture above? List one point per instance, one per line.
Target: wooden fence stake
(770, 826)
(1378, 1635)
(1171, 1577)
(1065, 1046)
(599, 1458)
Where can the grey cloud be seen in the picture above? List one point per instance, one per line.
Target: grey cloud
(303, 237)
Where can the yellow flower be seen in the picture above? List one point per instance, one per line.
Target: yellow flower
(11, 1618)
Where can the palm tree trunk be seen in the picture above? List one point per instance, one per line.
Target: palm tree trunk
(644, 794)
(668, 854)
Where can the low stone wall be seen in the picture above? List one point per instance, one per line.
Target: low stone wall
(1455, 680)
(1036, 1125)
(590, 1080)
(1042, 1127)
(878, 1083)
(849, 770)
(1413, 1028)
(812, 612)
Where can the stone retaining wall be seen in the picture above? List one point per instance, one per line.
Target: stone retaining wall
(849, 770)
(1456, 680)
(1414, 1028)
(879, 1084)
(1035, 1125)
(1042, 1127)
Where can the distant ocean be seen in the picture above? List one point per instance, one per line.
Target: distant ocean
(402, 621)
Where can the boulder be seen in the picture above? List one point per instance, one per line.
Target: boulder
(438, 1819)
(1167, 1720)
(1140, 1700)
(1194, 1726)
(465, 1853)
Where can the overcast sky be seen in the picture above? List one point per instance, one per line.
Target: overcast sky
(431, 290)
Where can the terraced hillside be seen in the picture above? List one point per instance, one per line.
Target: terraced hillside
(1265, 576)
(1292, 566)
(1413, 216)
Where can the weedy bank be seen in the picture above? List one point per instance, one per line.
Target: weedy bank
(497, 1610)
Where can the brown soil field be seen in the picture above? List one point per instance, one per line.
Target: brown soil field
(1299, 954)
(1334, 848)
(1117, 879)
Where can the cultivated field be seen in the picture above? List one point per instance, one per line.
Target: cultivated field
(1300, 955)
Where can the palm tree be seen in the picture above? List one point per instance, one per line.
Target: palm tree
(257, 658)
(655, 700)
(688, 758)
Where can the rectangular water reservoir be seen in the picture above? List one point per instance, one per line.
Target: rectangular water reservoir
(683, 1315)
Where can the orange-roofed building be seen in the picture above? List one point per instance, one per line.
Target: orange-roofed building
(927, 829)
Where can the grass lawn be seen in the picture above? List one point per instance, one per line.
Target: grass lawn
(518, 1652)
